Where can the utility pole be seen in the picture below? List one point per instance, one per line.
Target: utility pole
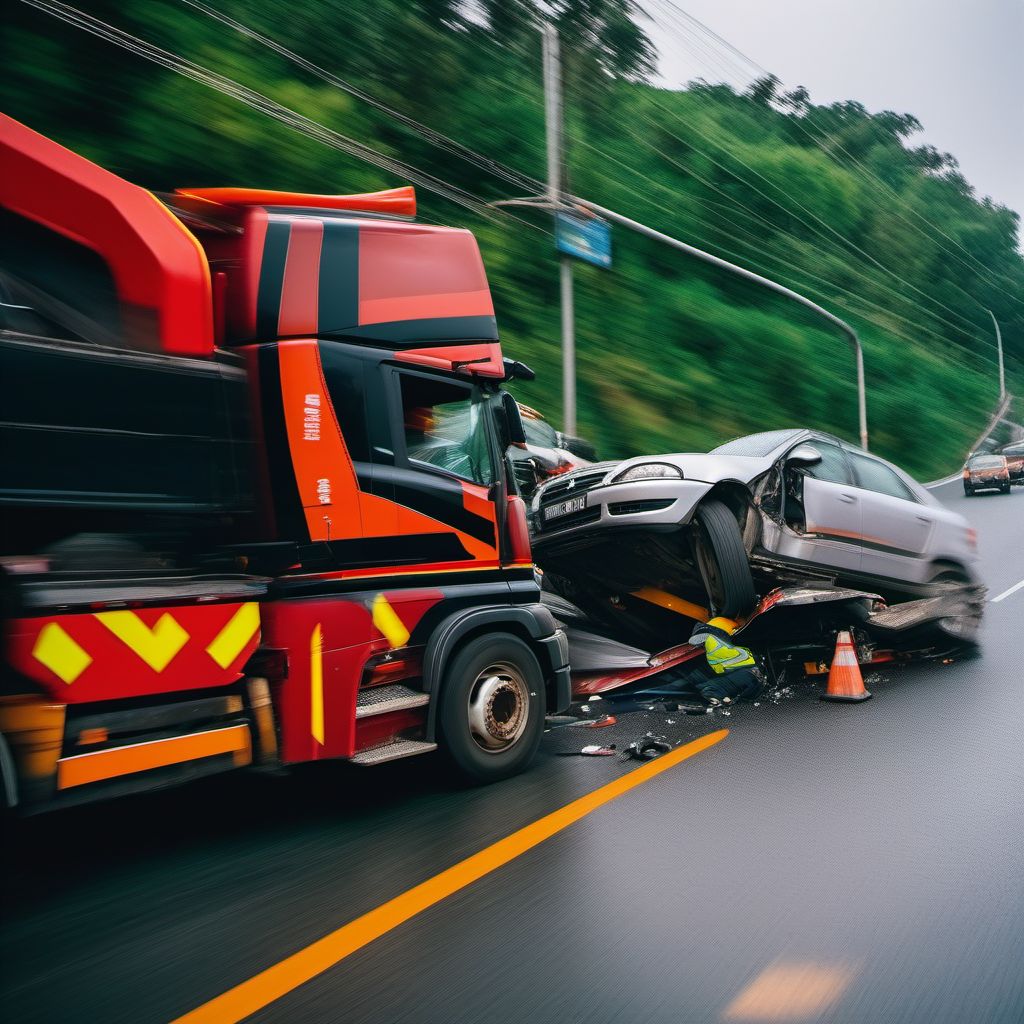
(999, 347)
(553, 132)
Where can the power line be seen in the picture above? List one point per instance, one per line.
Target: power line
(801, 124)
(257, 101)
(778, 228)
(810, 213)
(432, 136)
(788, 270)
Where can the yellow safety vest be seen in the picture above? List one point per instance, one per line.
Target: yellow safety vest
(723, 658)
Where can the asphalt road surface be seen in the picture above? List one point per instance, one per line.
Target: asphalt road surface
(848, 863)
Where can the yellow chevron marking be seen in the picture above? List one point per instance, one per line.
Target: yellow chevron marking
(316, 684)
(60, 654)
(386, 619)
(156, 646)
(228, 643)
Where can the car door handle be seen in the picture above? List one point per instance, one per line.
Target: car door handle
(923, 519)
(848, 498)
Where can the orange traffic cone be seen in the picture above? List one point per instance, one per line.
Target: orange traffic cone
(844, 679)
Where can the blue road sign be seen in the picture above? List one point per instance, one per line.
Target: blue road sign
(587, 238)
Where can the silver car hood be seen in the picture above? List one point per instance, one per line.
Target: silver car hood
(710, 469)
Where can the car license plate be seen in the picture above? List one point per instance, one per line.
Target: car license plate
(565, 508)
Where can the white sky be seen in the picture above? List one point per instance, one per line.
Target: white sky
(956, 65)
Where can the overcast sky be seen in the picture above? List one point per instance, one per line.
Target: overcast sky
(956, 65)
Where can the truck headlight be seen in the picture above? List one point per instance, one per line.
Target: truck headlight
(649, 471)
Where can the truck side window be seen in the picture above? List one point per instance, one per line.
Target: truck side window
(445, 427)
(55, 287)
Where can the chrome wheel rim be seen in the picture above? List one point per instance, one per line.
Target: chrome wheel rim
(499, 708)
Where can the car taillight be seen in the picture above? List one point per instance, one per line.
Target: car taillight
(967, 473)
(518, 530)
(972, 538)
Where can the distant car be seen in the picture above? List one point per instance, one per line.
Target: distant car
(547, 453)
(1014, 455)
(987, 473)
(772, 508)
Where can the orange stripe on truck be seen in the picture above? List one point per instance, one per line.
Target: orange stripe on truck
(82, 769)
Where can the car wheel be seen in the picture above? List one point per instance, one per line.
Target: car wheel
(722, 560)
(1005, 488)
(492, 708)
(968, 491)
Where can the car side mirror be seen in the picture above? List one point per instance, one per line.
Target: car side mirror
(513, 421)
(804, 455)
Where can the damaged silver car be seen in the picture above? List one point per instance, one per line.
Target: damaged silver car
(713, 531)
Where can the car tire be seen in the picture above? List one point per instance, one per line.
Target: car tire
(968, 491)
(491, 714)
(1005, 488)
(722, 560)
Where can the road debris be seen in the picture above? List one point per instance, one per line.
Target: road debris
(647, 748)
(599, 723)
(591, 750)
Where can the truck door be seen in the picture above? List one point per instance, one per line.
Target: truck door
(441, 468)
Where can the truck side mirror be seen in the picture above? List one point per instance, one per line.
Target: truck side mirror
(513, 421)
(804, 455)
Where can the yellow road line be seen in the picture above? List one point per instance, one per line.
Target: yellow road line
(250, 996)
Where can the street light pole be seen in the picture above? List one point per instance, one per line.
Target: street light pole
(999, 347)
(553, 133)
(851, 334)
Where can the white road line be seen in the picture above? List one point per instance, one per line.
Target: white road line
(942, 483)
(1007, 593)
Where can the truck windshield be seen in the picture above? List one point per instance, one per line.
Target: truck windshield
(445, 427)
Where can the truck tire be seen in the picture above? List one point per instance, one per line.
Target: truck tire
(722, 560)
(492, 707)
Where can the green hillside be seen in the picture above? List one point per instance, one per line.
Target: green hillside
(832, 200)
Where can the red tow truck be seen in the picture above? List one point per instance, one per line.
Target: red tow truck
(254, 500)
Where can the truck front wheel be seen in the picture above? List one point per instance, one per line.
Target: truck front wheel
(492, 707)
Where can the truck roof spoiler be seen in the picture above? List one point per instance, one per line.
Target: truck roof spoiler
(396, 202)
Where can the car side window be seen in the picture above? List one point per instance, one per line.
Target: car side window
(875, 476)
(833, 468)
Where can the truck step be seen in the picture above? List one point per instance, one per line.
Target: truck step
(381, 699)
(393, 751)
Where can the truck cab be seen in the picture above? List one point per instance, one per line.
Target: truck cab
(270, 519)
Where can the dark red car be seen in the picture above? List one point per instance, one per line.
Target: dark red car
(986, 473)
(1014, 455)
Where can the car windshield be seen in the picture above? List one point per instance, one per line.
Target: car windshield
(539, 432)
(986, 462)
(755, 446)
